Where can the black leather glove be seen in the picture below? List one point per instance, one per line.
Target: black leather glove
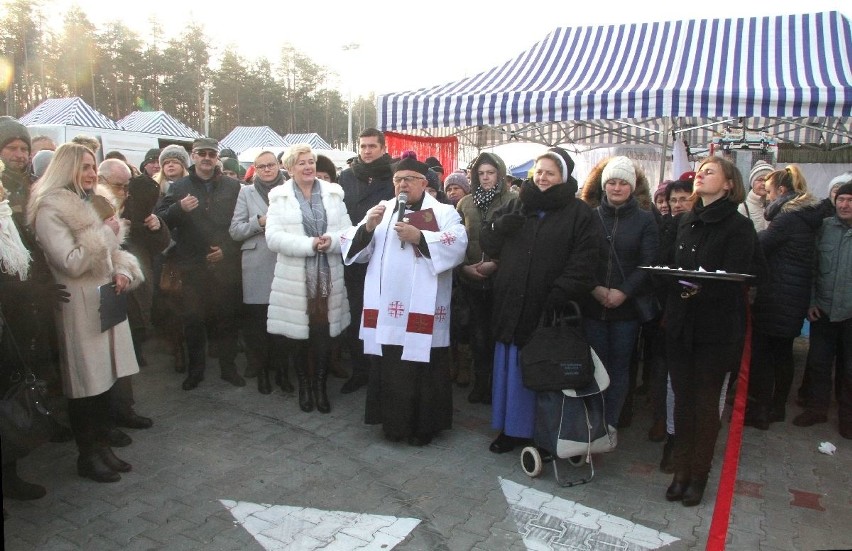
(56, 293)
(509, 223)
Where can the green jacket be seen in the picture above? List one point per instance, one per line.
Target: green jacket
(832, 288)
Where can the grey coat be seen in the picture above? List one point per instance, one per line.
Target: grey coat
(257, 260)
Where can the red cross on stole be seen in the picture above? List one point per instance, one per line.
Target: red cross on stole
(420, 323)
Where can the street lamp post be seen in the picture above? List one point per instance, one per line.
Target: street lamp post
(351, 47)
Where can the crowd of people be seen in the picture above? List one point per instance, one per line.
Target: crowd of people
(422, 281)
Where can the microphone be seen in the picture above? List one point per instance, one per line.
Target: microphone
(401, 199)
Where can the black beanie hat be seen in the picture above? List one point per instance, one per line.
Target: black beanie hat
(409, 162)
(845, 189)
(11, 129)
(565, 162)
(434, 164)
(433, 179)
(152, 155)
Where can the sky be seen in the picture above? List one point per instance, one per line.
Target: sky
(404, 46)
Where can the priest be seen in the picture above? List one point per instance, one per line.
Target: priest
(410, 257)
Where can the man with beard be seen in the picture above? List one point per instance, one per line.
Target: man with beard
(366, 182)
(198, 210)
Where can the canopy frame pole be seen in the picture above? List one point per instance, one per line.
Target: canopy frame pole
(667, 125)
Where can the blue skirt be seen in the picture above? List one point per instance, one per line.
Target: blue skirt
(512, 404)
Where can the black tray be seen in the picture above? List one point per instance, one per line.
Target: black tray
(723, 276)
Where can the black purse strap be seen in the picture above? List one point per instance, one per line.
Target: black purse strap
(611, 244)
(571, 315)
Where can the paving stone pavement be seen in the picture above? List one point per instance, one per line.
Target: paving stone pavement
(218, 446)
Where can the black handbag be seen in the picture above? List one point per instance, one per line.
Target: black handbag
(557, 356)
(25, 418)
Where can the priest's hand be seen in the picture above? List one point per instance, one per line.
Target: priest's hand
(374, 216)
(407, 233)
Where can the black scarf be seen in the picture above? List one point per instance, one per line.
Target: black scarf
(263, 188)
(773, 208)
(366, 172)
(554, 198)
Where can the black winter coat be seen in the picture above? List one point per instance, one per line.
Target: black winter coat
(715, 237)
(207, 225)
(549, 261)
(632, 232)
(789, 247)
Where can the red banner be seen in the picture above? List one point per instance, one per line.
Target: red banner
(446, 150)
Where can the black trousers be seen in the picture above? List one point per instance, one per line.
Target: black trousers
(210, 302)
(481, 342)
(771, 374)
(354, 277)
(698, 372)
(263, 350)
(90, 421)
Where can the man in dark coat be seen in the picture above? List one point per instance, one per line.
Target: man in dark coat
(365, 183)
(198, 210)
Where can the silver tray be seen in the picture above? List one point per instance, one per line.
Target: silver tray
(723, 276)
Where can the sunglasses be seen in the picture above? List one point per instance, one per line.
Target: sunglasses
(206, 153)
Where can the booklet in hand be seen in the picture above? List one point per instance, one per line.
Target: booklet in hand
(113, 307)
(422, 220)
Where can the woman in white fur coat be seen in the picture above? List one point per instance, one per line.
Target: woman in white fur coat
(308, 302)
(82, 247)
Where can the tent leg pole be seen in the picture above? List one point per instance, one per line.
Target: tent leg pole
(665, 151)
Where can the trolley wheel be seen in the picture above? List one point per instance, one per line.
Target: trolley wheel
(577, 460)
(531, 461)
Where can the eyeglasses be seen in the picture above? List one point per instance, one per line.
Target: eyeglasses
(407, 179)
(206, 153)
(680, 200)
(268, 166)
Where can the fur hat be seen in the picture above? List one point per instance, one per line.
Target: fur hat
(565, 163)
(324, 164)
(40, 162)
(620, 168)
(152, 155)
(11, 129)
(176, 152)
(845, 189)
(457, 178)
(760, 167)
(409, 161)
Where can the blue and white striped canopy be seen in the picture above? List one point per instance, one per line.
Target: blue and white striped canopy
(243, 137)
(72, 111)
(157, 122)
(621, 76)
(313, 139)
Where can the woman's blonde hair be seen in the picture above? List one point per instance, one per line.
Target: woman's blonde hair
(63, 172)
(163, 181)
(791, 178)
(289, 158)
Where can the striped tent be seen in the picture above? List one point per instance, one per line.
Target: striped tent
(790, 76)
(158, 122)
(244, 137)
(69, 111)
(313, 139)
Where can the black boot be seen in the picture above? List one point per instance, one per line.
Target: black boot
(264, 385)
(306, 399)
(16, 488)
(320, 394)
(110, 460)
(90, 464)
(677, 488)
(694, 491)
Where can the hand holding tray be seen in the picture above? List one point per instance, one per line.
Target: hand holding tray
(701, 274)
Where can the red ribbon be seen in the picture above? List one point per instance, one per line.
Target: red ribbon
(725, 494)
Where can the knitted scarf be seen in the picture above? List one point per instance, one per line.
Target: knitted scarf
(482, 197)
(263, 188)
(380, 168)
(315, 224)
